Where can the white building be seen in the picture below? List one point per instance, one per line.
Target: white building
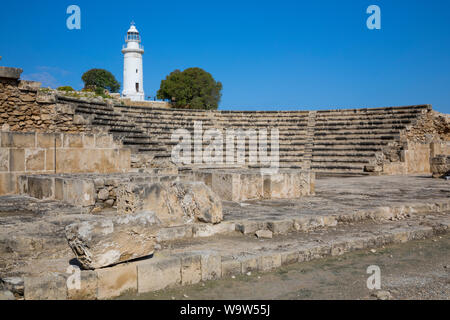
(133, 75)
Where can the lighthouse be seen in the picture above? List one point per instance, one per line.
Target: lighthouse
(133, 73)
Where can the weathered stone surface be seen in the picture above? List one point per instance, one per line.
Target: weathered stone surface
(108, 241)
(211, 265)
(241, 185)
(175, 203)
(231, 267)
(12, 73)
(440, 166)
(269, 262)
(158, 273)
(382, 295)
(191, 268)
(6, 295)
(88, 287)
(13, 284)
(112, 282)
(267, 234)
(47, 287)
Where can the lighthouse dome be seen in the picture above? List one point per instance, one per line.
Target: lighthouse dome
(133, 34)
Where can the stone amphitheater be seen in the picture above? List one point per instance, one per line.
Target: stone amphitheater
(93, 205)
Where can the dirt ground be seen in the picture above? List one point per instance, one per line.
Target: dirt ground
(414, 270)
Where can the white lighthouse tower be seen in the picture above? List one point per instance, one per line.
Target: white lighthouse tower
(133, 75)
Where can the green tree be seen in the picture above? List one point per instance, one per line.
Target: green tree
(192, 88)
(100, 78)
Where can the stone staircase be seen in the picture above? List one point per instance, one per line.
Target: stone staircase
(336, 142)
(347, 140)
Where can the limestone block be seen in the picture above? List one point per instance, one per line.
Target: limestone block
(29, 85)
(175, 203)
(281, 226)
(75, 160)
(339, 248)
(4, 159)
(159, 273)
(11, 73)
(103, 141)
(6, 295)
(48, 140)
(227, 185)
(274, 186)
(45, 97)
(249, 264)
(289, 257)
(211, 265)
(269, 261)
(191, 268)
(41, 187)
(208, 230)
(321, 250)
(18, 139)
(48, 287)
(59, 188)
(440, 166)
(88, 287)
(264, 234)
(173, 233)
(108, 241)
(22, 183)
(8, 183)
(114, 281)
(240, 185)
(89, 141)
(50, 160)
(231, 267)
(78, 192)
(13, 284)
(34, 160)
(251, 186)
(206, 177)
(250, 227)
(73, 141)
(16, 160)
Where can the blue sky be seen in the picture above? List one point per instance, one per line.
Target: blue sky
(269, 55)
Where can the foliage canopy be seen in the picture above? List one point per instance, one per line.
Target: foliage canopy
(193, 88)
(100, 78)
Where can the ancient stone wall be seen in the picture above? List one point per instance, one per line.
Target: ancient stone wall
(25, 107)
(41, 153)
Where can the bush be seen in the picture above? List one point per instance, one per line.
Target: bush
(193, 88)
(65, 88)
(100, 78)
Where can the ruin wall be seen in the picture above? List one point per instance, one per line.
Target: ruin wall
(49, 153)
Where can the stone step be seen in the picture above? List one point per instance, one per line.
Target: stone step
(336, 167)
(333, 129)
(320, 139)
(341, 159)
(362, 122)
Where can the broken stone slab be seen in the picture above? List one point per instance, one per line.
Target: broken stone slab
(11, 73)
(175, 203)
(6, 295)
(109, 241)
(264, 234)
(13, 284)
